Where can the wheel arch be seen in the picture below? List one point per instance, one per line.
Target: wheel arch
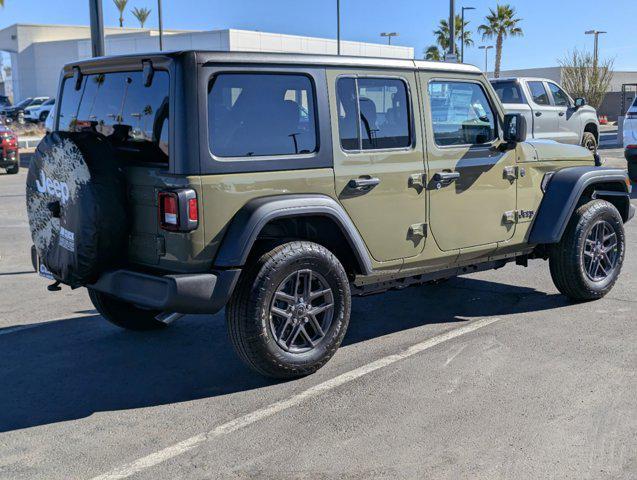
(293, 216)
(592, 128)
(567, 188)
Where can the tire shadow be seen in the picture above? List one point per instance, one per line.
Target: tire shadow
(69, 369)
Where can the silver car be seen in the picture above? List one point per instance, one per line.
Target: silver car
(550, 112)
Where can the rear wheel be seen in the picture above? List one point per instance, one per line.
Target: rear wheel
(290, 310)
(589, 141)
(13, 170)
(123, 314)
(586, 263)
(43, 116)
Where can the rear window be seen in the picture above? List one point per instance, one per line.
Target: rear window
(509, 92)
(252, 115)
(120, 107)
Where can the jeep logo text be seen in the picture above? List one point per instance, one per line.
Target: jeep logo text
(53, 187)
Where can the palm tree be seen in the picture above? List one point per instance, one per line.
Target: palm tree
(121, 7)
(501, 24)
(442, 39)
(141, 14)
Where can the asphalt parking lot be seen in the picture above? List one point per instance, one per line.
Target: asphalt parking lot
(493, 375)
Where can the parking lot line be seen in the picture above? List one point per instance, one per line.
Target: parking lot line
(184, 446)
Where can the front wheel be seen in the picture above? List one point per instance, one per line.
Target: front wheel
(123, 314)
(586, 263)
(13, 170)
(290, 310)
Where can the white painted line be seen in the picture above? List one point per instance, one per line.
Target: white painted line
(156, 458)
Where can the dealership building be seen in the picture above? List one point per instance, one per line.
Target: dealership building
(38, 52)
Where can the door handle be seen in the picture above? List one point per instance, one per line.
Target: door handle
(442, 179)
(363, 183)
(561, 114)
(538, 114)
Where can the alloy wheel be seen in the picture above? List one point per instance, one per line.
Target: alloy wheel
(601, 253)
(301, 311)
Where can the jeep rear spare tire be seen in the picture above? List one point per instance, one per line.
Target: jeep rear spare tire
(75, 194)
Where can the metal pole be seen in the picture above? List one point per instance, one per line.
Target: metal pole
(486, 61)
(161, 26)
(338, 27)
(462, 37)
(97, 28)
(596, 50)
(452, 28)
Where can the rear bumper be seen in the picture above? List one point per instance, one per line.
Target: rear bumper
(183, 293)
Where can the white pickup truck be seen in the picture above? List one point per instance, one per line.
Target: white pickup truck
(550, 112)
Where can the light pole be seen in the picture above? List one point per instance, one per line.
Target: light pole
(338, 27)
(462, 33)
(97, 27)
(486, 57)
(597, 33)
(389, 35)
(451, 55)
(161, 26)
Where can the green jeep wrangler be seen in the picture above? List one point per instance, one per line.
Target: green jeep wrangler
(278, 186)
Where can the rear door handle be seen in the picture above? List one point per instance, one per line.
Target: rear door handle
(363, 183)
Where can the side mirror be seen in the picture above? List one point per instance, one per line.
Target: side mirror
(580, 102)
(514, 128)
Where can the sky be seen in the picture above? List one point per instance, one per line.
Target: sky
(551, 27)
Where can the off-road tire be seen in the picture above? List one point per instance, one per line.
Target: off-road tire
(123, 314)
(248, 312)
(13, 170)
(589, 141)
(632, 171)
(566, 258)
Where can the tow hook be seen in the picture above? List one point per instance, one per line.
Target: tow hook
(168, 317)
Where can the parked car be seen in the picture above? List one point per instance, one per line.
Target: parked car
(10, 159)
(16, 113)
(316, 178)
(48, 122)
(630, 140)
(4, 101)
(550, 112)
(38, 113)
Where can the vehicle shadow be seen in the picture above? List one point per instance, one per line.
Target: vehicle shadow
(68, 369)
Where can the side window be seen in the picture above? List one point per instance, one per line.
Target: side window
(373, 113)
(559, 96)
(255, 114)
(461, 114)
(509, 92)
(538, 93)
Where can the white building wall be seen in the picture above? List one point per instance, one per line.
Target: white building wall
(38, 52)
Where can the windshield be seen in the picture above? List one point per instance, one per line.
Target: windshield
(119, 106)
(24, 103)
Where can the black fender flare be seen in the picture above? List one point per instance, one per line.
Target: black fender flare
(257, 213)
(564, 190)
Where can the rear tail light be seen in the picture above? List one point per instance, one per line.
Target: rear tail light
(178, 210)
(631, 147)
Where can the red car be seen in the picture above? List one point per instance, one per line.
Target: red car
(10, 159)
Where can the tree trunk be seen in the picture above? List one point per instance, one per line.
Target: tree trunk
(498, 56)
(121, 20)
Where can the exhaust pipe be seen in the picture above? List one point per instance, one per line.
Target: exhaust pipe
(167, 317)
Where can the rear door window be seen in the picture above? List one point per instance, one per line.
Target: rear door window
(373, 113)
(119, 106)
(509, 92)
(539, 93)
(254, 114)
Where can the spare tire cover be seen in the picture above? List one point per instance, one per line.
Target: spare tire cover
(76, 196)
